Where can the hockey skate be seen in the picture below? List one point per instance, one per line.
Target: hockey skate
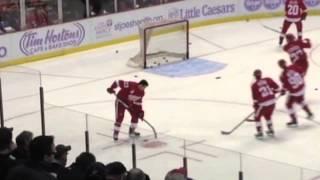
(270, 133)
(310, 116)
(115, 137)
(292, 124)
(259, 135)
(133, 133)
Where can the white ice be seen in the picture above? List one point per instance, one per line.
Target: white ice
(193, 109)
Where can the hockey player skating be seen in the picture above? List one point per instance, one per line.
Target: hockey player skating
(129, 98)
(293, 83)
(263, 94)
(295, 12)
(295, 49)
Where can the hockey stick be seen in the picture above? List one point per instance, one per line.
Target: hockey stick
(314, 121)
(238, 125)
(270, 28)
(244, 120)
(144, 120)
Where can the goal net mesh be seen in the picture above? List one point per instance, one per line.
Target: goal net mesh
(162, 43)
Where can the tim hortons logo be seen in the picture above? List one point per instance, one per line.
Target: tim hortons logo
(35, 42)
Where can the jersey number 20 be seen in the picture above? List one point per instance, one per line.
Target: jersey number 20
(293, 9)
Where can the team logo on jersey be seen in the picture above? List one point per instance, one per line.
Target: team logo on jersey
(253, 5)
(312, 3)
(272, 4)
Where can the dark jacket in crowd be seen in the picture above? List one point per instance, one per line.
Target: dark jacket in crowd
(7, 162)
(59, 169)
(31, 171)
(77, 170)
(20, 154)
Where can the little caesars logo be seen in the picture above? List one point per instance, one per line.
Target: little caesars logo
(33, 42)
(253, 5)
(174, 13)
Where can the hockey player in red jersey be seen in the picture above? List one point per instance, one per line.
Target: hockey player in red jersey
(263, 94)
(295, 12)
(295, 49)
(293, 83)
(129, 97)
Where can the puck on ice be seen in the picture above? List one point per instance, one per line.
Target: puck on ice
(316, 89)
(218, 77)
(117, 51)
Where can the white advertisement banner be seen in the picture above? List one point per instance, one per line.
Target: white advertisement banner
(124, 24)
(119, 25)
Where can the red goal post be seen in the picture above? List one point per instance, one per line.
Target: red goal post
(162, 43)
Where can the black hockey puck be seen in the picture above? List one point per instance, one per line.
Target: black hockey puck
(218, 77)
(316, 89)
(117, 51)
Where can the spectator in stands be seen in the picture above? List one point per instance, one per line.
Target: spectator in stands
(10, 15)
(177, 174)
(21, 153)
(42, 152)
(96, 172)
(60, 160)
(36, 14)
(100, 7)
(115, 171)
(61, 155)
(95, 6)
(73, 10)
(125, 5)
(7, 162)
(169, 1)
(108, 7)
(147, 3)
(77, 170)
(137, 174)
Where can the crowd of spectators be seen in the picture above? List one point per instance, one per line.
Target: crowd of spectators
(37, 158)
(39, 13)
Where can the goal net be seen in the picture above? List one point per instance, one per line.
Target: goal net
(162, 43)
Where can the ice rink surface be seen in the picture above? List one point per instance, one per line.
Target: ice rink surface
(188, 109)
